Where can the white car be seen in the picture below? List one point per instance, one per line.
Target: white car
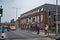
(13, 27)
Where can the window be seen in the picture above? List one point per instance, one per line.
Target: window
(1, 10)
(29, 18)
(49, 13)
(58, 17)
(33, 20)
(55, 17)
(27, 21)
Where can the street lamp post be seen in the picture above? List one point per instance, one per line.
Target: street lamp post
(16, 14)
(16, 11)
(56, 17)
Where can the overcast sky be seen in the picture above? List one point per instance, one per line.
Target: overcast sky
(9, 7)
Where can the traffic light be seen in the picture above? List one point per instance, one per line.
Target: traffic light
(1, 11)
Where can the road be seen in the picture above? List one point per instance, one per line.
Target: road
(22, 35)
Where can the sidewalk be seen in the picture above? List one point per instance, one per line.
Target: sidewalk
(51, 35)
(40, 38)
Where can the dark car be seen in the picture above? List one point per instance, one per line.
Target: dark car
(58, 38)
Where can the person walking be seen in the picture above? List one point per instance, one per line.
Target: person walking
(3, 31)
(31, 28)
(8, 28)
(38, 29)
(46, 29)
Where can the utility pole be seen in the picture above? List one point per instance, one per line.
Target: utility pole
(56, 17)
(16, 11)
(16, 14)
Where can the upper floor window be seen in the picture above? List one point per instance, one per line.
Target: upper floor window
(27, 21)
(58, 17)
(29, 18)
(55, 17)
(49, 13)
(33, 19)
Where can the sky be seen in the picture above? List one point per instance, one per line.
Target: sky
(9, 7)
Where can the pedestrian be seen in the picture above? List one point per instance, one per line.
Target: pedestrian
(46, 29)
(31, 27)
(38, 29)
(3, 31)
(8, 28)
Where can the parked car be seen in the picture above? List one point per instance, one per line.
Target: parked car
(13, 28)
(57, 37)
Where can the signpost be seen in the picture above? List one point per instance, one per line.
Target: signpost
(16, 15)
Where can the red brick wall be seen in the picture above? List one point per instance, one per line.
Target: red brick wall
(45, 17)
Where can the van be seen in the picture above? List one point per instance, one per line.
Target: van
(13, 28)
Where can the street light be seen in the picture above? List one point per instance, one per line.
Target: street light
(56, 17)
(16, 11)
(16, 14)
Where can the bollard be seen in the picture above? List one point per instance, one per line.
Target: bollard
(2, 39)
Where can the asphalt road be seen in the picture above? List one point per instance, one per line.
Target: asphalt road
(20, 35)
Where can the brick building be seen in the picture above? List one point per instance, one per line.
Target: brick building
(44, 14)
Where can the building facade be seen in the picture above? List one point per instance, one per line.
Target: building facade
(45, 14)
